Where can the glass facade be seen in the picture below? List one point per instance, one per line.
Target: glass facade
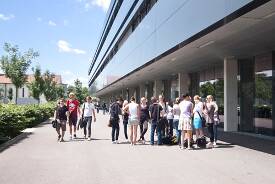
(166, 25)
(256, 95)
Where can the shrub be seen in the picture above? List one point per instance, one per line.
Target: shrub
(15, 118)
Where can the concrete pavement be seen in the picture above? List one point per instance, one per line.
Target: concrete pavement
(40, 159)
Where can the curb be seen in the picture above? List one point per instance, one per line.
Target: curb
(24, 133)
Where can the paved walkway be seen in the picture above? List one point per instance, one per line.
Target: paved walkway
(40, 159)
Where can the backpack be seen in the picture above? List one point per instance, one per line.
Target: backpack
(201, 142)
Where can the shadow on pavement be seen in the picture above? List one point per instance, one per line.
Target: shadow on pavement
(14, 141)
(247, 141)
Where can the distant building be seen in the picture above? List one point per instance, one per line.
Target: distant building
(24, 96)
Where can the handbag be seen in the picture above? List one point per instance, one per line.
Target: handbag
(110, 123)
(81, 122)
(54, 123)
(203, 120)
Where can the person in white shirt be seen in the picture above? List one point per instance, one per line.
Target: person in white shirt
(198, 116)
(176, 115)
(185, 122)
(134, 117)
(88, 110)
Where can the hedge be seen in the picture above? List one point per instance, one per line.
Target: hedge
(15, 118)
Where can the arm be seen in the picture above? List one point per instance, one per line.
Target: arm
(68, 116)
(94, 115)
(216, 107)
(54, 116)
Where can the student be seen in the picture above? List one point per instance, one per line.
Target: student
(176, 113)
(185, 122)
(114, 118)
(170, 118)
(61, 115)
(198, 115)
(73, 106)
(155, 111)
(104, 107)
(144, 118)
(163, 120)
(125, 116)
(88, 110)
(210, 108)
(134, 117)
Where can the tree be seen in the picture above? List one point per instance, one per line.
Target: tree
(15, 65)
(78, 90)
(37, 86)
(50, 90)
(207, 89)
(60, 91)
(10, 94)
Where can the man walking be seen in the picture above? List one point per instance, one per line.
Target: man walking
(74, 110)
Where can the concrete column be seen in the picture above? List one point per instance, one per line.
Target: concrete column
(158, 88)
(142, 89)
(230, 95)
(184, 82)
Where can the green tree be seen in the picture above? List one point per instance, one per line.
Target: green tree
(207, 89)
(15, 65)
(10, 94)
(60, 91)
(37, 86)
(50, 90)
(78, 90)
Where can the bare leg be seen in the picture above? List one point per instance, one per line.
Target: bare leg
(201, 132)
(71, 131)
(135, 133)
(197, 134)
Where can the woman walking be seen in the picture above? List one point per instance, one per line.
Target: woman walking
(185, 122)
(88, 110)
(198, 115)
(115, 111)
(125, 115)
(176, 113)
(134, 116)
(210, 109)
(61, 115)
(144, 118)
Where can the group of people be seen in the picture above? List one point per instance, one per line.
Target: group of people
(182, 115)
(70, 112)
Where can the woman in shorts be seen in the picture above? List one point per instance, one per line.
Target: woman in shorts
(185, 122)
(61, 115)
(198, 115)
(133, 122)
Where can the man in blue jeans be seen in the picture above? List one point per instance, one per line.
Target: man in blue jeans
(155, 111)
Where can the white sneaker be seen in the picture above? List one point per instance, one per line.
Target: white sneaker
(214, 143)
(210, 145)
(114, 142)
(89, 139)
(117, 142)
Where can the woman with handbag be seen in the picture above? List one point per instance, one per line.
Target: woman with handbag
(88, 114)
(61, 116)
(210, 108)
(198, 117)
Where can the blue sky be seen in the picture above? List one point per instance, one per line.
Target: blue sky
(65, 32)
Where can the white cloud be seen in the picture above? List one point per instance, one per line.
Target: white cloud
(51, 23)
(64, 46)
(6, 17)
(39, 19)
(104, 4)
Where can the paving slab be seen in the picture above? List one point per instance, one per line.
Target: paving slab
(40, 159)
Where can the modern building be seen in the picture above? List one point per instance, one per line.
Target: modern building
(225, 48)
(7, 90)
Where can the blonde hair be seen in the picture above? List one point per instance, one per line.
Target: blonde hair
(210, 97)
(197, 97)
(71, 95)
(177, 101)
(125, 103)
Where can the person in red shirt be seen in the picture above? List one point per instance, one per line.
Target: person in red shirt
(73, 106)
